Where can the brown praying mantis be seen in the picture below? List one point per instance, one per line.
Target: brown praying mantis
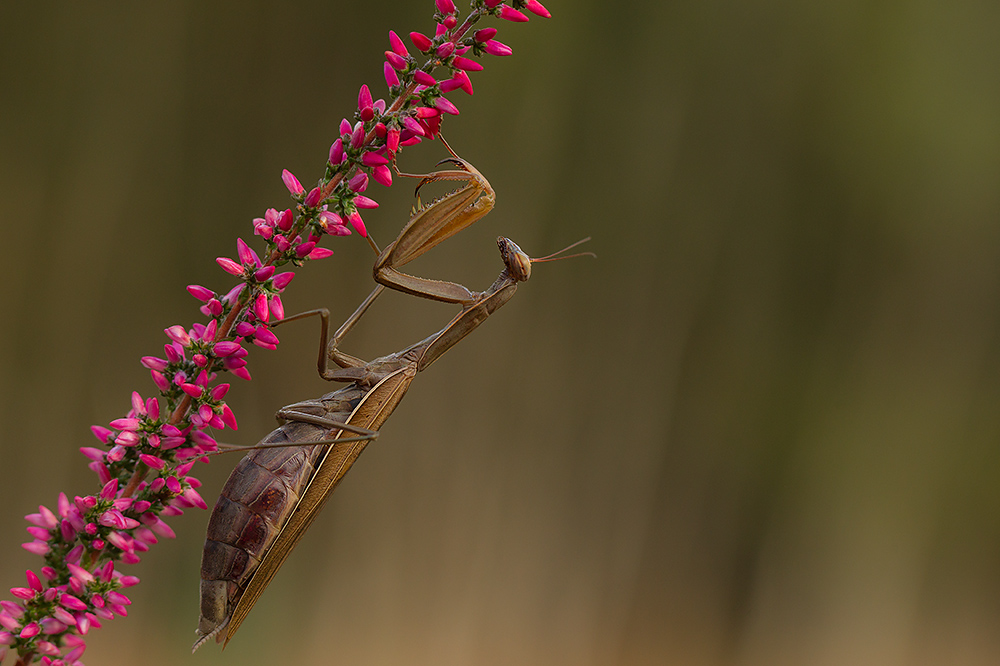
(276, 491)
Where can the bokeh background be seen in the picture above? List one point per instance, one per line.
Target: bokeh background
(761, 428)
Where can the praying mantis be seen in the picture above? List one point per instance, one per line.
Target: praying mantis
(276, 491)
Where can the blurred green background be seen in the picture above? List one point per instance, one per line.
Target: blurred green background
(761, 428)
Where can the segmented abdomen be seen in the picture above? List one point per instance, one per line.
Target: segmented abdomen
(261, 492)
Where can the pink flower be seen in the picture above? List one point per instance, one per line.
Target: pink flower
(397, 45)
(292, 183)
(464, 63)
(420, 41)
(536, 7)
(510, 14)
(493, 47)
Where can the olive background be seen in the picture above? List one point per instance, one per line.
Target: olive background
(761, 428)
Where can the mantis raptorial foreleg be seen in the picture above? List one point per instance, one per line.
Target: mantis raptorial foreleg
(429, 225)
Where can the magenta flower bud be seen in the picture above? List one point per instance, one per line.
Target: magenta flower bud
(314, 197)
(358, 137)
(138, 406)
(320, 252)
(229, 266)
(33, 581)
(510, 14)
(116, 454)
(200, 360)
(536, 7)
(192, 497)
(336, 156)
(493, 47)
(420, 41)
(358, 224)
(490, 4)
(304, 249)
(329, 219)
(203, 294)
(225, 348)
(363, 202)
(37, 547)
(244, 329)
(410, 123)
(104, 434)
(397, 45)
(159, 380)
(260, 307)
(44, 518)
(118, 598)
(71, 602)
(281, 280)
(373, 159)
(12, 609)
(445, 49)
(22, 593)
(445, 6)
(38, 532)
(460, 81)
(423, 78)
(264, 334)
(391, 78)
(173, 352)
(426, 112)
(83, 623)
(191, 389)
(365, 95)
(286, 220)
(63, 615)
(108, 492)
(263, 274)
(52, 626)
(31, 630)
(178, 335)
(398, 63)
(443, 104)
(345, 127)
(291, 182)
(125, 424)
(277, 307)
(151, 461)
(464, 63)
(80, 573)
(247, 256)
(359, 183)
(485, 35)
(92, 453)
(392, 140)
(127, 438)
(382, 175)
(7, 638)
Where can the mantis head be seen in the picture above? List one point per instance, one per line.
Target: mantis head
(518, 263)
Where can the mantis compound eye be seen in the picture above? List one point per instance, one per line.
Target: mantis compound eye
(517, 262)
